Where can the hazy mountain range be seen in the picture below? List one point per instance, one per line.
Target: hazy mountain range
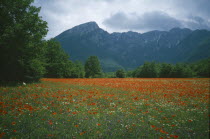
(129, 50)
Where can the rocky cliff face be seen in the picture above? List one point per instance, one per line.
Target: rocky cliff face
(130, 49)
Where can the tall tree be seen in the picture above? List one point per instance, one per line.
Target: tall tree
(77, 70)
(120, 73)
(148, 70)
(202, 68)
(165, 70)
(21, 44)
(58, 64)
(92, 67)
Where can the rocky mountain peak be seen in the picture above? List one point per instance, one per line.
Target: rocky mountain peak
(84, 28)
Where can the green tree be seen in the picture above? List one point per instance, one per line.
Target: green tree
(92, 67)
(129, 74)
(58, 64)
(202, 68)
(165, 70)
(136, 72)
(181, 71)
(77, 70)
(21, 44)
(148, 70)
(120, 73)
(188, 72)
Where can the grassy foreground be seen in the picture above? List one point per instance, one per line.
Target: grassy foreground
(106, 108)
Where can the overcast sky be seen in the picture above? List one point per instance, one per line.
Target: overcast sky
(125, 15)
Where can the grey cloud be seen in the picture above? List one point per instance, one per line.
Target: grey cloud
(135, 15)
(159, 20)
(156, 20)
(196, 22)
(197, 19)
(118, 21)
(196, 7)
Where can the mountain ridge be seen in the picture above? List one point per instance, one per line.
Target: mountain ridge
(130, 49)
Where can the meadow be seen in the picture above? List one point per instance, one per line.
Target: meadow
(106, 108)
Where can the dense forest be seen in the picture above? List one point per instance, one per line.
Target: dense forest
(25, 56)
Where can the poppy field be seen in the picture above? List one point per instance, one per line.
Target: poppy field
(106, 108)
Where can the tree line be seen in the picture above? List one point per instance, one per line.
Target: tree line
(199, 69)
(179, 70)
(26, 56)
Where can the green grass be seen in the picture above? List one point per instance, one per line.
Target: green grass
(58, 110)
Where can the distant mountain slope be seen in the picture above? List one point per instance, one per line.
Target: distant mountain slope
(130, 49)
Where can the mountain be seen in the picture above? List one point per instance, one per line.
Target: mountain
(130, 49)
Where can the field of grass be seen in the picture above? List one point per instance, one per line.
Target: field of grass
(106, 108)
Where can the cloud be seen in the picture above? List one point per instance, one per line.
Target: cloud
(194, 7)
(155, 20)
(124, 15)
(196, 22)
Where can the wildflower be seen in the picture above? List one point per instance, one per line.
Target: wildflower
(162, 131)
(14, 130)
(92, 104)
(2, 134)
(174, 136)
(98, 124)
(76, 125)
(50, 122)
(136, 98)
(13, 123)
(152, 126)
(74, 112)
(82, 133)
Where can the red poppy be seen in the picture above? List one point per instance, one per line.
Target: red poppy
(2, 134)
(152, 126)
(74, 112)
(50, 122)
(13, 123)
(82, 133)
